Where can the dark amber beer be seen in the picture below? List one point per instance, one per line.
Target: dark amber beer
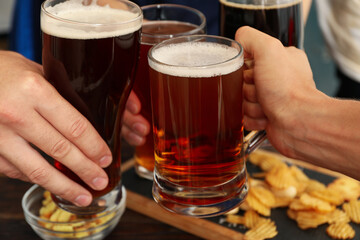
(196, 91)
(161, 22)
(89, 55)
(281, 19)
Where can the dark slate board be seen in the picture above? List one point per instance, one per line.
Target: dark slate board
(286, 227)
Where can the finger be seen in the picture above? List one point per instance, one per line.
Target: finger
(61, 149)
(131, 137)
(250, 93)
(133, 104)
(253, 110)
(136, 123)
(257, 43)
(249, 76)
(10, 170)
(72, 125)
(255, 123)
(40, 172)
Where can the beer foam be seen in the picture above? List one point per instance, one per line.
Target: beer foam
(268, 5)
(196, 59)
(72, 19)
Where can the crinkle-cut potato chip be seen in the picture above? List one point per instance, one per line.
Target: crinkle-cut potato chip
(292, 214)
(297, 205)
(251, 218)
(256, 205)
(316, 203)
(299, 175)
(233, 211)
(257, 157)
(352, 209)
(340, 231)
(237, 219)
(282, 202)
(256, 182)
(280, 177)
(349, 188)
(244, 206)
(338, 216)
(289, 192)
(310, 219)
(271, 162)
(328, 195)
(314, 185)
(264, 229)
(264, 195)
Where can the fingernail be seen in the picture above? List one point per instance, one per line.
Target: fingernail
(100, 182)
(140, 128)
(83, 200)
(105, 161)
(132, 107)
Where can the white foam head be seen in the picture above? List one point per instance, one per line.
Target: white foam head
(71, 19)
(196, 59)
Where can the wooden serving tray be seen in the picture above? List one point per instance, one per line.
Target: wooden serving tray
(139, 199)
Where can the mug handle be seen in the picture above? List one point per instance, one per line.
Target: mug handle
(253, 140)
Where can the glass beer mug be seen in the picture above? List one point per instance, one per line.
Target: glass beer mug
(196, 95)
(161, 22)
(281, 19)
(90, 52)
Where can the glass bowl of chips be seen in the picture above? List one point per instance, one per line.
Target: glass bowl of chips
(52, 223)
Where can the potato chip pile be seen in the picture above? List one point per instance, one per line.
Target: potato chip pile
(309, 202)
(69, 225)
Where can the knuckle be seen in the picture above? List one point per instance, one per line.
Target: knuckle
(39, 176)
(32, 84)
(9, 115)
(78, 127)
(14, 174)
(60, 149)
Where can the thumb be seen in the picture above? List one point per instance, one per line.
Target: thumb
(257, 45)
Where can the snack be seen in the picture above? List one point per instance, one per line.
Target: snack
(340, 231)
(69, 225)
(309, 202)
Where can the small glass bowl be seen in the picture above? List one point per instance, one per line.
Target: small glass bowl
(95, 227)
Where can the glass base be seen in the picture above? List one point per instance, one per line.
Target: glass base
(98, 205)
(143, 172)
(221, 200)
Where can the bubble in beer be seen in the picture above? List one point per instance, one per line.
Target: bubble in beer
(93, 21)
(196, 59)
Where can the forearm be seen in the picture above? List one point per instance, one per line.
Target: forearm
(306, 9)
(327, 133)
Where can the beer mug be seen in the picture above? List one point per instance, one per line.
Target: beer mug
(89, 55)
(197, 95)
(281, 19)
(161, 22)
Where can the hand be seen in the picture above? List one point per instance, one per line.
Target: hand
(274, 88)
(32, 113)
(135, 127)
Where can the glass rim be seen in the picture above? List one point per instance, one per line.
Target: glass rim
(138, 17)
(260, 4)
(194, 38)
(168, 5)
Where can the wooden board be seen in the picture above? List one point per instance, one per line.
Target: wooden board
(140, 200)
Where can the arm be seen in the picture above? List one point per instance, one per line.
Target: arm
(301, 122)
(306, 9)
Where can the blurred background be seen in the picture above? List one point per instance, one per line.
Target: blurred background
(320, 60)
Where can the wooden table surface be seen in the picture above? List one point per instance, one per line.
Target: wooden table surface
(131, 226)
